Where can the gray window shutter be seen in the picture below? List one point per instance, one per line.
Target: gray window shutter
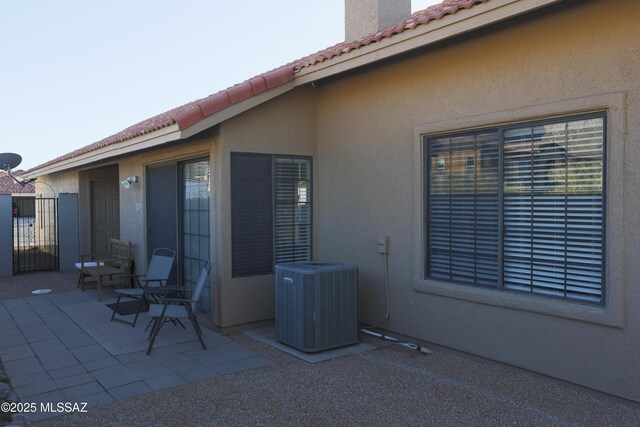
(251, 214)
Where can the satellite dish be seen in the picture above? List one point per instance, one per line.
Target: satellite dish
(9, 161)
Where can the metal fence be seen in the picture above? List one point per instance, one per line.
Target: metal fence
(35, 234)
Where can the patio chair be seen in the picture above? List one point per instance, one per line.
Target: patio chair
(157, 275)
(170, 308)
(106, 269)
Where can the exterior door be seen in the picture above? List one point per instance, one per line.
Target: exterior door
(178, 199)
(162, 211)
(105, 214)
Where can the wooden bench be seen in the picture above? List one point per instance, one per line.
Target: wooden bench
(112, 268)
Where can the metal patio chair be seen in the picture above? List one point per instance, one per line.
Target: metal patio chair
(170, 308)
(157, 275)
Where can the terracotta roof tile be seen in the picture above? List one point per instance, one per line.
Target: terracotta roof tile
(258, 84)
(187, 114)
(422, 17)
(216, 103)
(192, 112)
(279, 76)
(240, 92)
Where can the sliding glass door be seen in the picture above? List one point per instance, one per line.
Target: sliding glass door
(178, 197)
(195, 212)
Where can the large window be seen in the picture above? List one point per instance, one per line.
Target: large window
(519, 207)
(270, 212)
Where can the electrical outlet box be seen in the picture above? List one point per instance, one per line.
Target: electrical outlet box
(383, 244)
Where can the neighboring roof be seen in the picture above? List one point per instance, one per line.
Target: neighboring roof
(195, 111)
(9, 186)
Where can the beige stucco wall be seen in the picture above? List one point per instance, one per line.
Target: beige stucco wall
(578, 58)
(60, 182)
(363, 132)
(283, 126)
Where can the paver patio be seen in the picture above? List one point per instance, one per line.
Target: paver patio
(61, 347)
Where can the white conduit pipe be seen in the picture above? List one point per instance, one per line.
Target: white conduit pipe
(410, 345)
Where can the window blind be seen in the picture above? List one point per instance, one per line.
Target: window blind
(519, 207)
(463, 209)
(553, 209)
(292, 218)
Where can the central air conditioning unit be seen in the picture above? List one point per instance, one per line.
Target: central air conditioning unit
(316, 305)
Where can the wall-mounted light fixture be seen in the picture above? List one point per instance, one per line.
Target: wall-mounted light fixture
(130, 180)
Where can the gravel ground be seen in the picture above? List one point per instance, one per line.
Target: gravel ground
(20, 286)
(387, 386)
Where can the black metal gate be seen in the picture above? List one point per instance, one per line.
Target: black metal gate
(35, 234)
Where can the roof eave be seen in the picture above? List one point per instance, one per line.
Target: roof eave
(449, 26)
(236, 109)
(161, 136)
(148, 140)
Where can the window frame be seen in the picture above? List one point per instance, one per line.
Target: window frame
(470, 170)
(500, 129)
(526, 307)
(272, 158)
(309, 196)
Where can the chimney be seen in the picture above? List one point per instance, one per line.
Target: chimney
(363, 17)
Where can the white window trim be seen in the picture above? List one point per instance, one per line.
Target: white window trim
(613, 312)
(470, 170)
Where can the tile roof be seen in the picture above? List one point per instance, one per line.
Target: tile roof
(192, 112)
(422, 17)
(9, 186)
